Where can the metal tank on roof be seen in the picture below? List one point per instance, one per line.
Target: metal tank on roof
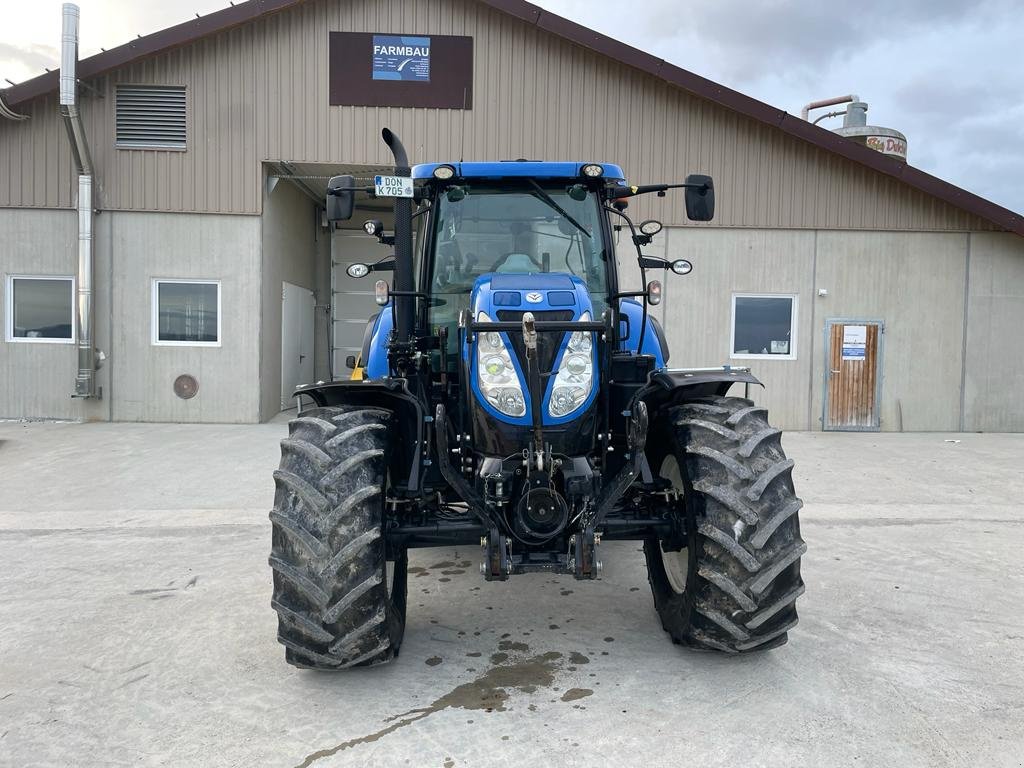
(887, 141)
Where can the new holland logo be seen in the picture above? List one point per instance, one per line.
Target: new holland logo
(535, 298)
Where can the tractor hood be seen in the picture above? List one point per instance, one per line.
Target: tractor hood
(497, 359)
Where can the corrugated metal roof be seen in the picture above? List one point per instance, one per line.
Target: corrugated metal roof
(195, 29)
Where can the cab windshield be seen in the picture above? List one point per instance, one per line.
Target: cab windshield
(513, 230)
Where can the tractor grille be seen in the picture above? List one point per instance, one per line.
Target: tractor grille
(548, 344)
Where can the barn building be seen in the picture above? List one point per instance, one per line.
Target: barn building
(865, 293)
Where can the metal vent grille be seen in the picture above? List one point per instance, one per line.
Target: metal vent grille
(151, 116)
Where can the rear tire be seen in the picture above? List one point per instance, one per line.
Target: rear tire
(734, 585)
(331, 587)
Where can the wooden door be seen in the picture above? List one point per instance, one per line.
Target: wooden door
(852, 374)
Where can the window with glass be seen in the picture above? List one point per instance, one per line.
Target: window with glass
(513, 229)
(764, 326)
(41, 309)
(186, 312)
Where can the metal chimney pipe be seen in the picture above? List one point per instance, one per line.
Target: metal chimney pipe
(85, 381)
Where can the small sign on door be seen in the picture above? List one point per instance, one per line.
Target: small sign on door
(855, 342)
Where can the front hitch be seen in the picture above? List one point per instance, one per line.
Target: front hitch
(585, 543)
(534, 383)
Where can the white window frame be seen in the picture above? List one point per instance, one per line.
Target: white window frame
(793, 318)
(9, 302)
(155, 314)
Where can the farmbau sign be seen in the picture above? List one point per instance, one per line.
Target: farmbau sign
(377, 70)
(396, 57)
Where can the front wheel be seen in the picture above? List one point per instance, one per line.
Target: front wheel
(733, 585)
(340, 598)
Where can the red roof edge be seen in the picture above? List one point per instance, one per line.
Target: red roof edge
(194, 29)
(149, 45)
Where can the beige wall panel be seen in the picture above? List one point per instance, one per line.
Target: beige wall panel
(915, 283)
(153, 245)
(994, 381)
(37, 379)
(697, 312)
(290, 250)
(260, 92)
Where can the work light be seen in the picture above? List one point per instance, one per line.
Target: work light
(444, 172)
(593, 170)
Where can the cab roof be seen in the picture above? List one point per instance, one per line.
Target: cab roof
(503, 169)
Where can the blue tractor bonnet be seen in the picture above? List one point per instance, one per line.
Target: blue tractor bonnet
(506, 296)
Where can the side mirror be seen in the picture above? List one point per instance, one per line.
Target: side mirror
(700, 198)
(654, 293)
(653, 262)
(341, 198)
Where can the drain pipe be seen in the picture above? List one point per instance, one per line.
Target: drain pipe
(85, 381)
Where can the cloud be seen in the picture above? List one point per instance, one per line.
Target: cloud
(27, 60)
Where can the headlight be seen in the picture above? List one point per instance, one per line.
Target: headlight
(496, 374)
(575, 378)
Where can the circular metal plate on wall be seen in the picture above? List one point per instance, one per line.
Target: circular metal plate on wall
(186, 386)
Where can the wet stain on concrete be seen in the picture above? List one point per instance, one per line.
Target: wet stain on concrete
(444, 579)
(512, 645)
(445, 564)
(433, 661)
(552, 626)
(578, 658)
(499, 658)
(474, 654)
(453, 572)
(566, 592)
(575, 694)
(448, 762)
(416, 569)
(609, 639)
(487, 693)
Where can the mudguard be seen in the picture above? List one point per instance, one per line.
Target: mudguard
(411, 444)
(670, 386)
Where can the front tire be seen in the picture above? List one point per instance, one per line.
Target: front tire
(734, 584)
(331, 582)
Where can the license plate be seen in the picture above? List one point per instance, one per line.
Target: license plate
(393, 186)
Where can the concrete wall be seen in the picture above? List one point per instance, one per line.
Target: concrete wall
(293, 244)
(210, 247)
(37, 379)
(914, 282)
(994, 377)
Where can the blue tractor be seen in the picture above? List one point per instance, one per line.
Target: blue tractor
(512, 394)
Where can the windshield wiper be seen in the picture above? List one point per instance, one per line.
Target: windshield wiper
(552, 204)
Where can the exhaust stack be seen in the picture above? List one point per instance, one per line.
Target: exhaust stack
(85, 381)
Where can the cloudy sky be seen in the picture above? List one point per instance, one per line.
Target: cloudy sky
(947, 73)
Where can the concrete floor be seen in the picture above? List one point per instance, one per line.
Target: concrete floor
(135, 625)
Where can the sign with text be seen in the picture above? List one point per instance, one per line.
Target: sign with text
(397, 57)
(385, 70)
(855, 342)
